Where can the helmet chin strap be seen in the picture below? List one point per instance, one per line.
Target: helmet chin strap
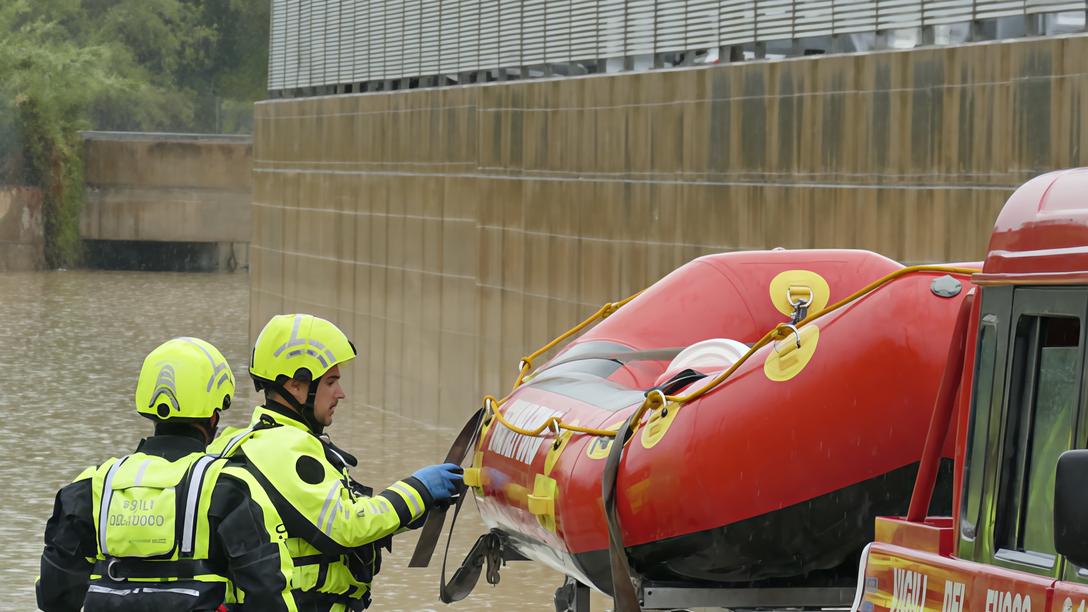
(308, 409)
(305, 410)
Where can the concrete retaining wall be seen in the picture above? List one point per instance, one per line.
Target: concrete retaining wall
(22, 239)
(453, 230)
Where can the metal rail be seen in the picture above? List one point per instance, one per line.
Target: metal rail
(322, 43)
(574, 597)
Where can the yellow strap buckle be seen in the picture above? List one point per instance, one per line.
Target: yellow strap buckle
(473, 478)
(541, 501)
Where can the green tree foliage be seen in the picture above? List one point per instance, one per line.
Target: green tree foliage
(151, 65)
(239, 66)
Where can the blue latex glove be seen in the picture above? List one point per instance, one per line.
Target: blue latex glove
(442, 481)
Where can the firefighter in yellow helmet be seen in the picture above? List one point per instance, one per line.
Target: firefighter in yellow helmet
(335, 526)
(168, 527)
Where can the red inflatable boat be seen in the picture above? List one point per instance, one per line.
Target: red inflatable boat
(772, 477)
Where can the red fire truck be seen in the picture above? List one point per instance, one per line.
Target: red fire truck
(1015, 398)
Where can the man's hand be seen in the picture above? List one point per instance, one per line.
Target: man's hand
(442, 481)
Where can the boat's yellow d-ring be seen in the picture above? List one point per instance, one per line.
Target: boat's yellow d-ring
(790, 355)
(659, 423)
(558, 445)
(792, 287)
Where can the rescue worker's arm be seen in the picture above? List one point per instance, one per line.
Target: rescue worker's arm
(349, 521)
(252, 536)
(69, 549)
(314, 502)
(332, 519)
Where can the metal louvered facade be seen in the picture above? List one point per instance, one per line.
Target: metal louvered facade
(321, 43)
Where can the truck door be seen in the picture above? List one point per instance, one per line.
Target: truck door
(1043, 392)
(1028, 389)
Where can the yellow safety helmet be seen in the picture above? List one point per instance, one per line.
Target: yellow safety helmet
(298, 346)
(184, 379)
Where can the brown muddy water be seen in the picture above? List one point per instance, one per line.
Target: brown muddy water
(72, 345)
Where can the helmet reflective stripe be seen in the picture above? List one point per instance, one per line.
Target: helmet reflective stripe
(311, 353)
(104, 508)
(165, 385)
(216, 367)
(192, 498)
(321, 347)
(184, 378)
(292, 343)
(294, 340)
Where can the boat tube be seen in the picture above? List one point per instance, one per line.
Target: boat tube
(773, 475)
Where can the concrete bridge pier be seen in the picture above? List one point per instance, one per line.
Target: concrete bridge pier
(166, 201)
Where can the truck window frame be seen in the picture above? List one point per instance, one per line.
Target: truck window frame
(995, 308)
(1039, 320)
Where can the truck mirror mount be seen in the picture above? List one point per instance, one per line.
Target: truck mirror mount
(1071, 507)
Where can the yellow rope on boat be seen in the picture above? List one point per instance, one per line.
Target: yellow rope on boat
(656, 401)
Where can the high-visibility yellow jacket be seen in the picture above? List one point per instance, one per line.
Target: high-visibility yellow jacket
(334, 526)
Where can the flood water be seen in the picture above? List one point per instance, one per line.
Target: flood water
(72, 345)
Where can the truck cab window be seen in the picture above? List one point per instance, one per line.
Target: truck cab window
(1039, 423)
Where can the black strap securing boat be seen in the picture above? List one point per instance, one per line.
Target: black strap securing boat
(488, 550)
(432, 528)
(624, 596)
